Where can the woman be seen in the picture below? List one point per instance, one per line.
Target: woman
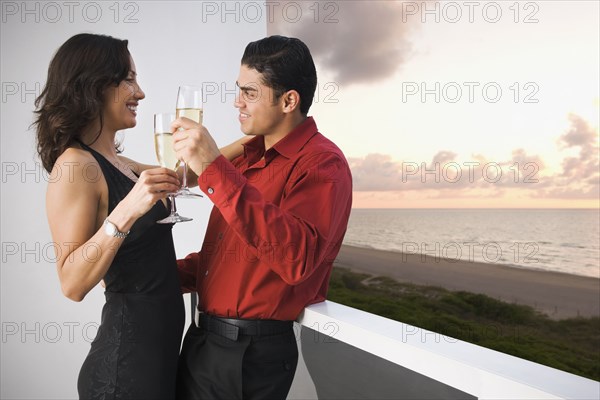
(102, 210)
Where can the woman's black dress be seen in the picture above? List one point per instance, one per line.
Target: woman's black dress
(134, 355)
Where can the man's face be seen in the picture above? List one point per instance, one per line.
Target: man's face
(259, 113)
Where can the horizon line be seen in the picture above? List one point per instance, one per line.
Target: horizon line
(476, 208)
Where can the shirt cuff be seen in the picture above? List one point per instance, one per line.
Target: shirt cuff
(220, 180)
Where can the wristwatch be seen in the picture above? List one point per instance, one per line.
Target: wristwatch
(111, 230)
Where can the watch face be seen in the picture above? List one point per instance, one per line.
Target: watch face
(110, 229)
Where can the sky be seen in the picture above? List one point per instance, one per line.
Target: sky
(457, 104)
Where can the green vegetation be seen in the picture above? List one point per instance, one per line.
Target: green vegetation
(571, 345)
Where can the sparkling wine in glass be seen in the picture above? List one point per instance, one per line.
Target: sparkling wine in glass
(189, 105)
(165, 154)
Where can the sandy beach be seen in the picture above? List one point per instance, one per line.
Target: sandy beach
(556, 294)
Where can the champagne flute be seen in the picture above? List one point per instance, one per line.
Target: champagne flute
(165, 154)
(189, 105)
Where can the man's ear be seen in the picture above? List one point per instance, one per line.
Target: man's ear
(290, 101)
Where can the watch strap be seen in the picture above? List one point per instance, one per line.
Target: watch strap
(116, 233)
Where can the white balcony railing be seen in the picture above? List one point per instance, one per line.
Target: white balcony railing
(433, 366)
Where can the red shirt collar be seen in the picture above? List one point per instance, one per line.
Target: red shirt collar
(288, 146)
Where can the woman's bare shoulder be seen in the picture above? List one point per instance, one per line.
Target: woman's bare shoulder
(75, 166)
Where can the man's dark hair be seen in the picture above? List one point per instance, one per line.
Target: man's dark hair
(285, 64)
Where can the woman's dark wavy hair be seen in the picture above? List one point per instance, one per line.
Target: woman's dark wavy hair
(285, 64)
(73, 98)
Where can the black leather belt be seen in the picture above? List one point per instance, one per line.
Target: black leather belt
(231, 328)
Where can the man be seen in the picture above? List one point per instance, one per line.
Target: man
(279, 217)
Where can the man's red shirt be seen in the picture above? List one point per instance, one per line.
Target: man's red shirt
(277, 225)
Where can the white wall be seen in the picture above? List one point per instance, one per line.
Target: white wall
(45, 336)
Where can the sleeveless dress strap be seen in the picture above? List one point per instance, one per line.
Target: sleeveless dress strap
(118, 183)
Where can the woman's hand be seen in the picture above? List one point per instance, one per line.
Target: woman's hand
(153, 184)
(235, 149)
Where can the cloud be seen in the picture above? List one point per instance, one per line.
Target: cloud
(520, 156)
(378, 172)
(580, 176)
(375, 172)
(477, 177)
(444, 156)
(357, 41)
(580, 134)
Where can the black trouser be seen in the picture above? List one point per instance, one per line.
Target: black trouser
(252, 367)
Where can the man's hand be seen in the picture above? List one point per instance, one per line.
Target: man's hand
(193, 144)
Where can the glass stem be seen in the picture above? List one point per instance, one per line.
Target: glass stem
(173, 207)
(184, 179)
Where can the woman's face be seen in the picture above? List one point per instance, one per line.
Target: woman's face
(121, 101)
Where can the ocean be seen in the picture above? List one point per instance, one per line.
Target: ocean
(560, 240)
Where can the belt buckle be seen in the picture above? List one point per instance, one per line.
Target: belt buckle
(227, 331)
(197, 318)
